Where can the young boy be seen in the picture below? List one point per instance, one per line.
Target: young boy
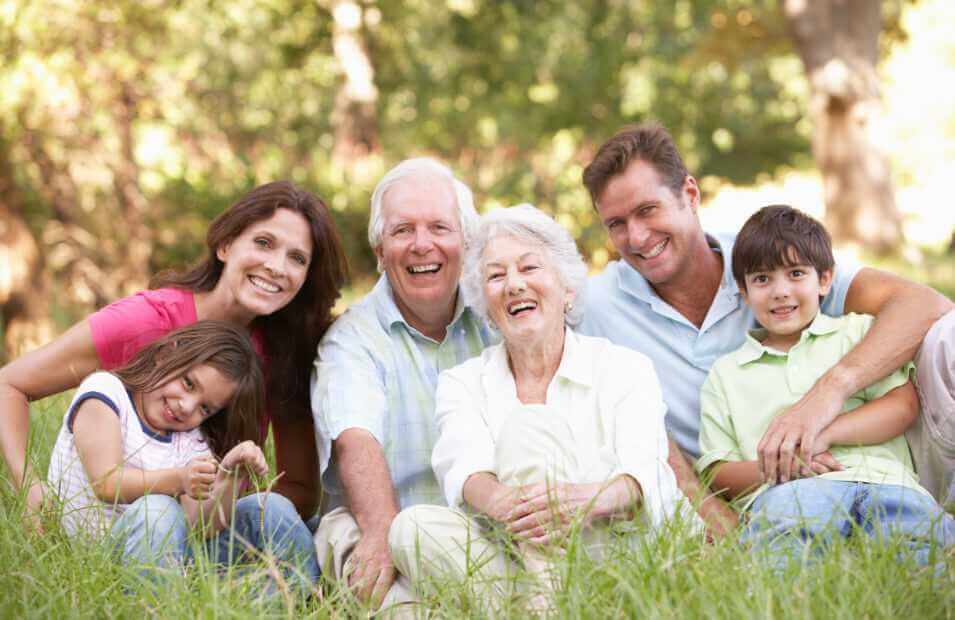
(782, 261)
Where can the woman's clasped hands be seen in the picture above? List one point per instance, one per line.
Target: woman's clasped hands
(544, 513)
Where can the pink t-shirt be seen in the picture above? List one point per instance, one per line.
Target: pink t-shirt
(125, 326)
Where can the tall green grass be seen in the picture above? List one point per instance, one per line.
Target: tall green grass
(49, 575)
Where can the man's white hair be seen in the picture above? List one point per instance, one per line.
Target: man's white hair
(530, 224)
(421, 166)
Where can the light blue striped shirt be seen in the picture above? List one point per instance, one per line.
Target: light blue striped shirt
(621, 306)
(376, 372)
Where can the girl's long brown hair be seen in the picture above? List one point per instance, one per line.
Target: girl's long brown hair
(220, 345)
(291, 333)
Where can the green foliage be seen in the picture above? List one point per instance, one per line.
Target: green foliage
(136, 122)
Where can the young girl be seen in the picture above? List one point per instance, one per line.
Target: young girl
(135, 440)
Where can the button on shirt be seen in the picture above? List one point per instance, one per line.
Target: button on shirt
(608, 395)
(748, 388)
(376, 372)
(620, 305)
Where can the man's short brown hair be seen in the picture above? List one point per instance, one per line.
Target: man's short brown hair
(780, 236)
(648, 142)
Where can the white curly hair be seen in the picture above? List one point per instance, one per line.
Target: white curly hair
(527, 223)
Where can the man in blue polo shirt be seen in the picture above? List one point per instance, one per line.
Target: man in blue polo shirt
(672, 296)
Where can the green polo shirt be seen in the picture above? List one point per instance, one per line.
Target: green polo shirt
(746, 389)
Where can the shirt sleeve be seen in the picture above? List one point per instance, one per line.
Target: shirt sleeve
(834, 304)
(347, 390)
(640, 439)
(101, 386)
(718, 440)
(465, 445)
(123, 327)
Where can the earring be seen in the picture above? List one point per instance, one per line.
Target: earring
(568, 306)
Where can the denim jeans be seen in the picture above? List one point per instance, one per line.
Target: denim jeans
(154, 532)
(803, 516)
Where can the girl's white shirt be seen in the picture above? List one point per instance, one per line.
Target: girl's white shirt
(83, 513)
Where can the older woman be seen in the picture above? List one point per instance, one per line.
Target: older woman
(545, 432)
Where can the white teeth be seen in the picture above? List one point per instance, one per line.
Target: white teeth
(656, 250)
(431, 268)
(268, 287)
(521, 305)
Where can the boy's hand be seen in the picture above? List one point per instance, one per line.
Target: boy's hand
(198, 477)
(247, 454)
(822, 463)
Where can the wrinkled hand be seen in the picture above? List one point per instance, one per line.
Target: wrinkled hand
(547, 511)
(503, 502)
(792, 435)
(198, 476)
(246, 454)
(370, 570)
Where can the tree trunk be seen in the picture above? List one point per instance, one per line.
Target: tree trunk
(355, 119)
(838, 43)
(24, 320)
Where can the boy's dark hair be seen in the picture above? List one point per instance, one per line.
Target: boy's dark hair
(222, 346)
(648, 142)
(776, 236)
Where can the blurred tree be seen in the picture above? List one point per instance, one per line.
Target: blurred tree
(129, 124)
(838, 41)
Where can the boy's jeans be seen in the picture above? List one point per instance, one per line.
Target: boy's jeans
(786, 518)
(153, 531)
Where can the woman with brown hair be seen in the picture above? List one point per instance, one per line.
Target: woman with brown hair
(274, 267)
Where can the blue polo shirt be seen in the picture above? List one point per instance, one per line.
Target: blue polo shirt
(622, 307)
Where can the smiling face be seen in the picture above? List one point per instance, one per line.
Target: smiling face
(266, 264)
(655, 231)
(421, 246)
(785, 300)
(184, 402)
(525, 297)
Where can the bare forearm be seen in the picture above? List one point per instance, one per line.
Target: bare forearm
(876, 421)
(52, 368)
(366, 480)
(903, 311)
(736, 478)
(127, 484)
(620, 498)
(717, 515)
(15, 416)
(481, 492)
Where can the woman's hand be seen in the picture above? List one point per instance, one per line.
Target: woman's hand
(198, 477)
(502, 501)
(248, 454)
(548, 510)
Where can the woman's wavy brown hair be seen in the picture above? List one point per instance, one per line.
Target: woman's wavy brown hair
(291, 334)
(220, 345)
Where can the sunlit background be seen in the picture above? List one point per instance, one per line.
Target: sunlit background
(125, 126)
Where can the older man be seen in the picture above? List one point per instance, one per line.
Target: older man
(673, 297)
(377, 369)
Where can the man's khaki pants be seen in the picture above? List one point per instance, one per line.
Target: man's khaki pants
(335, 539)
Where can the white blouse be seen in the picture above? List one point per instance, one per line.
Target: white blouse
(609, 395)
